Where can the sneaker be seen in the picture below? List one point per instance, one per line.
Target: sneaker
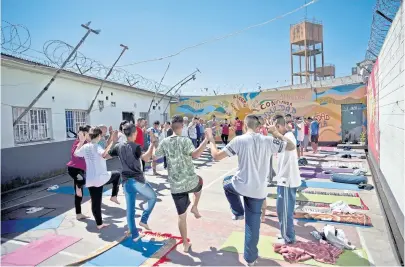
(252, 263)
(238, 218)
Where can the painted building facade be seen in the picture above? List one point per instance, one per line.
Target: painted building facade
(325, 104)
(42, 139)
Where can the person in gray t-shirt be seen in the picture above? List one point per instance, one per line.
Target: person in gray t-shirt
(250, 180)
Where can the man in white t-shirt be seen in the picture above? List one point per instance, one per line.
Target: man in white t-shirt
(250, 180)
(184, 132)
(288, 180)
(300, 136)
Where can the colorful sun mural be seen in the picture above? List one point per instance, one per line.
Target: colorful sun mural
(324, 104)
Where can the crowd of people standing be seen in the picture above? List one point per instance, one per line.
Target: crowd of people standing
(179, 142)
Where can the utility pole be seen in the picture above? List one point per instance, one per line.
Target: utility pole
(178, 89)
(156, 89)
(124, 48)
(192, 74)
(89, 30)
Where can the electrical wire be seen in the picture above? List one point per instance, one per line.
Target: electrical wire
(216, 39)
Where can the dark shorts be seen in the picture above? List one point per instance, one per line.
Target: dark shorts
(182, 200)
(238, 132)
(314, 138)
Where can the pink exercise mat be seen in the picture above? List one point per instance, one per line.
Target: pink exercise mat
(327, 148)
(38, 251)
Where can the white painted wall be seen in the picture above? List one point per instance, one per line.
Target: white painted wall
(21, 83)
(391, 92)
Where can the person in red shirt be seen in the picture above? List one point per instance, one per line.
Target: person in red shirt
(238, 127)
(225, 131)
(306, 135)
(140, 140)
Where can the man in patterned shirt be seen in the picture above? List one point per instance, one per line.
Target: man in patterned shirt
(179, 152)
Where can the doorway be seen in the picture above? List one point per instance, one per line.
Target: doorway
(128, 116)
(352, 122)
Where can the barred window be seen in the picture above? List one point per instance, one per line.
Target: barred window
(165, 117)
(144, 115)
(75, 119)
(34, 126)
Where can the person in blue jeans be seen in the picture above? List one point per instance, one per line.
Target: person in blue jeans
(254, 151)
(133, 179)
(288, 181)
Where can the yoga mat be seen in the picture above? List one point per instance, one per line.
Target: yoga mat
(316, 175)
(325, 198)
(331, 222)
(327, 148)
(148, 251)
(24, 225)
(68, 190)
(334, 170)
(38, 251)
(330, 185)
(235, 243)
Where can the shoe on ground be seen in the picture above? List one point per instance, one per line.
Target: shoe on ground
(238, 218)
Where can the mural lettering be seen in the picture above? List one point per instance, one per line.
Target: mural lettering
(322, 118)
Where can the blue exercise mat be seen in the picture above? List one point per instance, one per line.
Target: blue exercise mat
(24, 225)
(127, 253)
(330, 185)
(68, 190)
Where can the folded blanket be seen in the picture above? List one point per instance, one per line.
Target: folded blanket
(352, 218)
(302, 251)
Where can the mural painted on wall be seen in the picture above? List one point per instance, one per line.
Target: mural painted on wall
(323, 104)
(373, 131)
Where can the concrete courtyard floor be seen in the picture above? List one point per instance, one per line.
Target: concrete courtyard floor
(207, 234)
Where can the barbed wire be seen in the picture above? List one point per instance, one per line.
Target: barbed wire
(380, 25)
(16, 41)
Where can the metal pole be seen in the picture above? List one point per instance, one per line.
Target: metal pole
(181, 85)
(89, 30)
(124, 48)
(156, 91)
(192, 74)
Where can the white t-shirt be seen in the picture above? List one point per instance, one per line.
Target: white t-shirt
(192, 131)
(288, 173)
(184, 132)
(301, 133)
(121, 138)
(254, 152)
(96, 166)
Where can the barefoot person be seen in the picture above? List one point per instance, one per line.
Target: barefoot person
(155, 130)
(288, 180)
(179, 152)
(76, 169)
(133, 179)
(250, 181)
(314, 129)
(96, 170)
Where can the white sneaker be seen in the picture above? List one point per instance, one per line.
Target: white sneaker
(281, 241)
(252, 263)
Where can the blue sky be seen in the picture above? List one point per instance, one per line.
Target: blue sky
(157, 28)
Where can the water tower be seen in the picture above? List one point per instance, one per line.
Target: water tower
(306, 44)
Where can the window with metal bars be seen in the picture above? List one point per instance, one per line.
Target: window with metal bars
(165, 117)
(144, 115)
(75, 119)
(34, 126)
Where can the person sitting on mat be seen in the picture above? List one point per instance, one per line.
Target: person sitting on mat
(250, 181)
(133, 179)
(179, 152)
(96, 170)
(288, 181)
(76, 170)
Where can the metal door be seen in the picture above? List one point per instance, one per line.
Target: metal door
(352, 122)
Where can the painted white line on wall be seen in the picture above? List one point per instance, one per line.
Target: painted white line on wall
(28, 201)
(23, 243)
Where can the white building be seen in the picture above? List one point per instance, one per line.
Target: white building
(39, 145)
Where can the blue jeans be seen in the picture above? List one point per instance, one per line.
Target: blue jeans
(131, 188)
(252, 212)
(285, 212)
(194, 142)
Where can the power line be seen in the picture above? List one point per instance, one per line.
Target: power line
(224, 36)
